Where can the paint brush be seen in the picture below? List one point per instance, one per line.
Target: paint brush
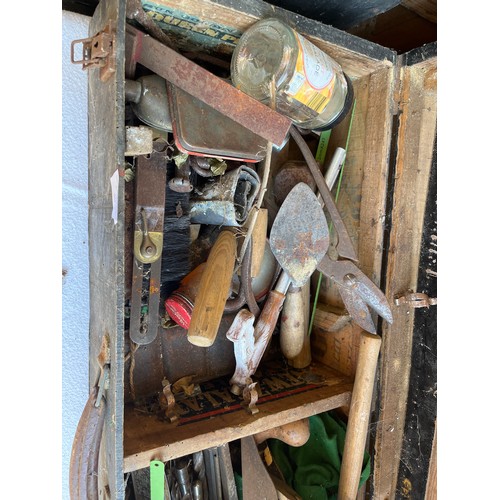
(176, 236)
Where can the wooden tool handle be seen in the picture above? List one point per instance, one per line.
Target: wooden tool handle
(213, 291)
(269, 315)
(259, 238)
(293, 434)
(359, 416)
(303, 359)
(265, 325)
(292, 324)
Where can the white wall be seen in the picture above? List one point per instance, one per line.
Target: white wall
(75, 288)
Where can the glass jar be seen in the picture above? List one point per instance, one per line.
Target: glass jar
(311, 88)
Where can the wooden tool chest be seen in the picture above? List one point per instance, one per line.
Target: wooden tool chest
(382, 202)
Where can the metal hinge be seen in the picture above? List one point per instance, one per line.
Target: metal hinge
(98, 52)
(415, 299)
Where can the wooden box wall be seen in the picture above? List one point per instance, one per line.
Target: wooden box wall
(385, 179)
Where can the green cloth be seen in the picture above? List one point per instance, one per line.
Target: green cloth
(313, 470)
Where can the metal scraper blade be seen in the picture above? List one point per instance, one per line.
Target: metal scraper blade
(257, 483)
(299, 237)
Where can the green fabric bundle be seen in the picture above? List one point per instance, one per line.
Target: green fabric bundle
(313, 470)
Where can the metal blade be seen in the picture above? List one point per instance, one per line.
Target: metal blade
(257, 484)
(358, 290)
(299, 237)
(357, 309)
(373, 297)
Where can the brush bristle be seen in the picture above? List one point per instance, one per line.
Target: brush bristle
(176, 238)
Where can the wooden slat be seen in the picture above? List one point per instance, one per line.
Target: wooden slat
(431, 491)
(354, 55)
(106, 129)
(362, 197)
(412, 169)
(424, 8)
(421, 405)
(335, 340)
(147, 438)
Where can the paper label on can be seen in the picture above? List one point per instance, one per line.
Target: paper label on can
(314, 79)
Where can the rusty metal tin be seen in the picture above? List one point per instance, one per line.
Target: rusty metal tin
(203, 131)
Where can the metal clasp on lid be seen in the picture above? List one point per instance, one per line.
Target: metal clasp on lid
(415, 300)
(97, 52)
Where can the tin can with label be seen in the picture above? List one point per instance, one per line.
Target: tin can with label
(310, 87)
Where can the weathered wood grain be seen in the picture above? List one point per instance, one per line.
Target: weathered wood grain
(431, 491)
(335, 340)
(356, 57)
(147, 438)
(424, 8)
(421, 406)
(362, 195)
(417, 126)
(106, 240)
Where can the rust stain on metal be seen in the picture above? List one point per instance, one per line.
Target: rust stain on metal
(300, 253)
(250, 398)
(210, 89)
(98, 51)
(153, 286)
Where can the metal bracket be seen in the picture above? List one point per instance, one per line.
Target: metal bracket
(415, 300)
(103, 384)
(98, 52)
(250, 397)
(167, 401)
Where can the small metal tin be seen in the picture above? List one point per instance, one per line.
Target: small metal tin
(201, 130)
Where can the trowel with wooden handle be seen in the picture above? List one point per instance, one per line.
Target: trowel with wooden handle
(305, 244)
(294, 338)
(299, 240)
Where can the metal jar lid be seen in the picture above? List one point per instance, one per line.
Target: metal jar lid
(180, 309)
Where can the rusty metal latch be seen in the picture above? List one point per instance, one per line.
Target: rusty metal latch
(415, 299)
(103, 384)
(98, 52)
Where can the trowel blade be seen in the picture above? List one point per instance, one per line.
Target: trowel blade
(299, 237)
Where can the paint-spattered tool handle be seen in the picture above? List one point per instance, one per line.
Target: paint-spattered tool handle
(266, 324)
(269, 317)
(359, 416)
(213, 291)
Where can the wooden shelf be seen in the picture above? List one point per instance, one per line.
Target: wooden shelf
(215, 416)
